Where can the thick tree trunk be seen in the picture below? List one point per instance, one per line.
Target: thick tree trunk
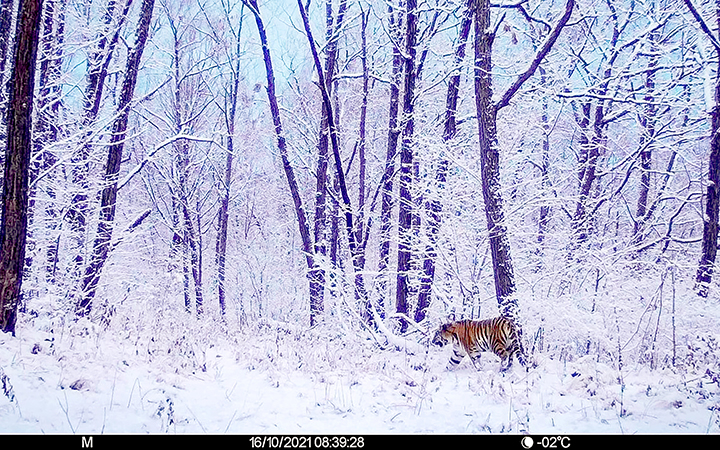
(13, 227)
(712, 196)
(490, 163)
(108, 199)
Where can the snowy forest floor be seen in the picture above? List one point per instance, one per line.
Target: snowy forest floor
(275, 379)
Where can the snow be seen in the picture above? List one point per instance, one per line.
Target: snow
(275, 379)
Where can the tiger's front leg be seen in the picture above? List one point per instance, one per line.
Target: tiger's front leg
(475, 358)
(458, 355)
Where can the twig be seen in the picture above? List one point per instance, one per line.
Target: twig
(65, 410)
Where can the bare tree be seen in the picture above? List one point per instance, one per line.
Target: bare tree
(405, 216)
(230, 112)
(108, 200)
(386, 225)
(47, 127)
(317, 275)
(307, 245)
(355, 247)
(434, 206)
(13, 228)
(712, 195)
(97, 72)
(487, 110)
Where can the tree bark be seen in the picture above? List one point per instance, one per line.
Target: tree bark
(47, 130)
(712, 194)
(223, 215)
(544, 213)
(13, 227)
(712, 203)
(6, 18)
(317, 273)
(647, 121)
(108, 199)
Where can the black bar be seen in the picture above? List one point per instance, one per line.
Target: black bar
(357, 441)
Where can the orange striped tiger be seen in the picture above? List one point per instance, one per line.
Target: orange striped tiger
(471, 337)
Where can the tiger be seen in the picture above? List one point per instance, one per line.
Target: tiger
(497, 335)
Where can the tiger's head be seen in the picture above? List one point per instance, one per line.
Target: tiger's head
(443, 335)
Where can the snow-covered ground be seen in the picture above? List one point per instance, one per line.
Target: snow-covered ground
(275, 379)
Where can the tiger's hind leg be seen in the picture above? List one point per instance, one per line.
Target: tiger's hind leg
(519, 352)
(506, 361)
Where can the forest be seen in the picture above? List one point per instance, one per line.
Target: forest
(309, 189)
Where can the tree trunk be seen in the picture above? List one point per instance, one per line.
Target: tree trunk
(712, 201)
(98, 63)
(386, 225)
(544, 213)
(223, 216)
(13, 227)
(6, 19)
(587, 169)
(355, 247)
(47, 130)
(405, 216)
(108, 199)
(317, 274)
(647, 121)
(434, 206)
(359, 227)
(307, 246)
(490, 163)
(712, 195)
(489, 153)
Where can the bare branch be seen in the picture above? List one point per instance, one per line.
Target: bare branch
(703, 26)
(505, 100)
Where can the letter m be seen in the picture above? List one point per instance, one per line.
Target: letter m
(87, 442)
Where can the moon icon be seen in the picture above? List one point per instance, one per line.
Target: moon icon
(527, 442)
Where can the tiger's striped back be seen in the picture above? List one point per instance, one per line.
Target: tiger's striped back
(472, 337)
